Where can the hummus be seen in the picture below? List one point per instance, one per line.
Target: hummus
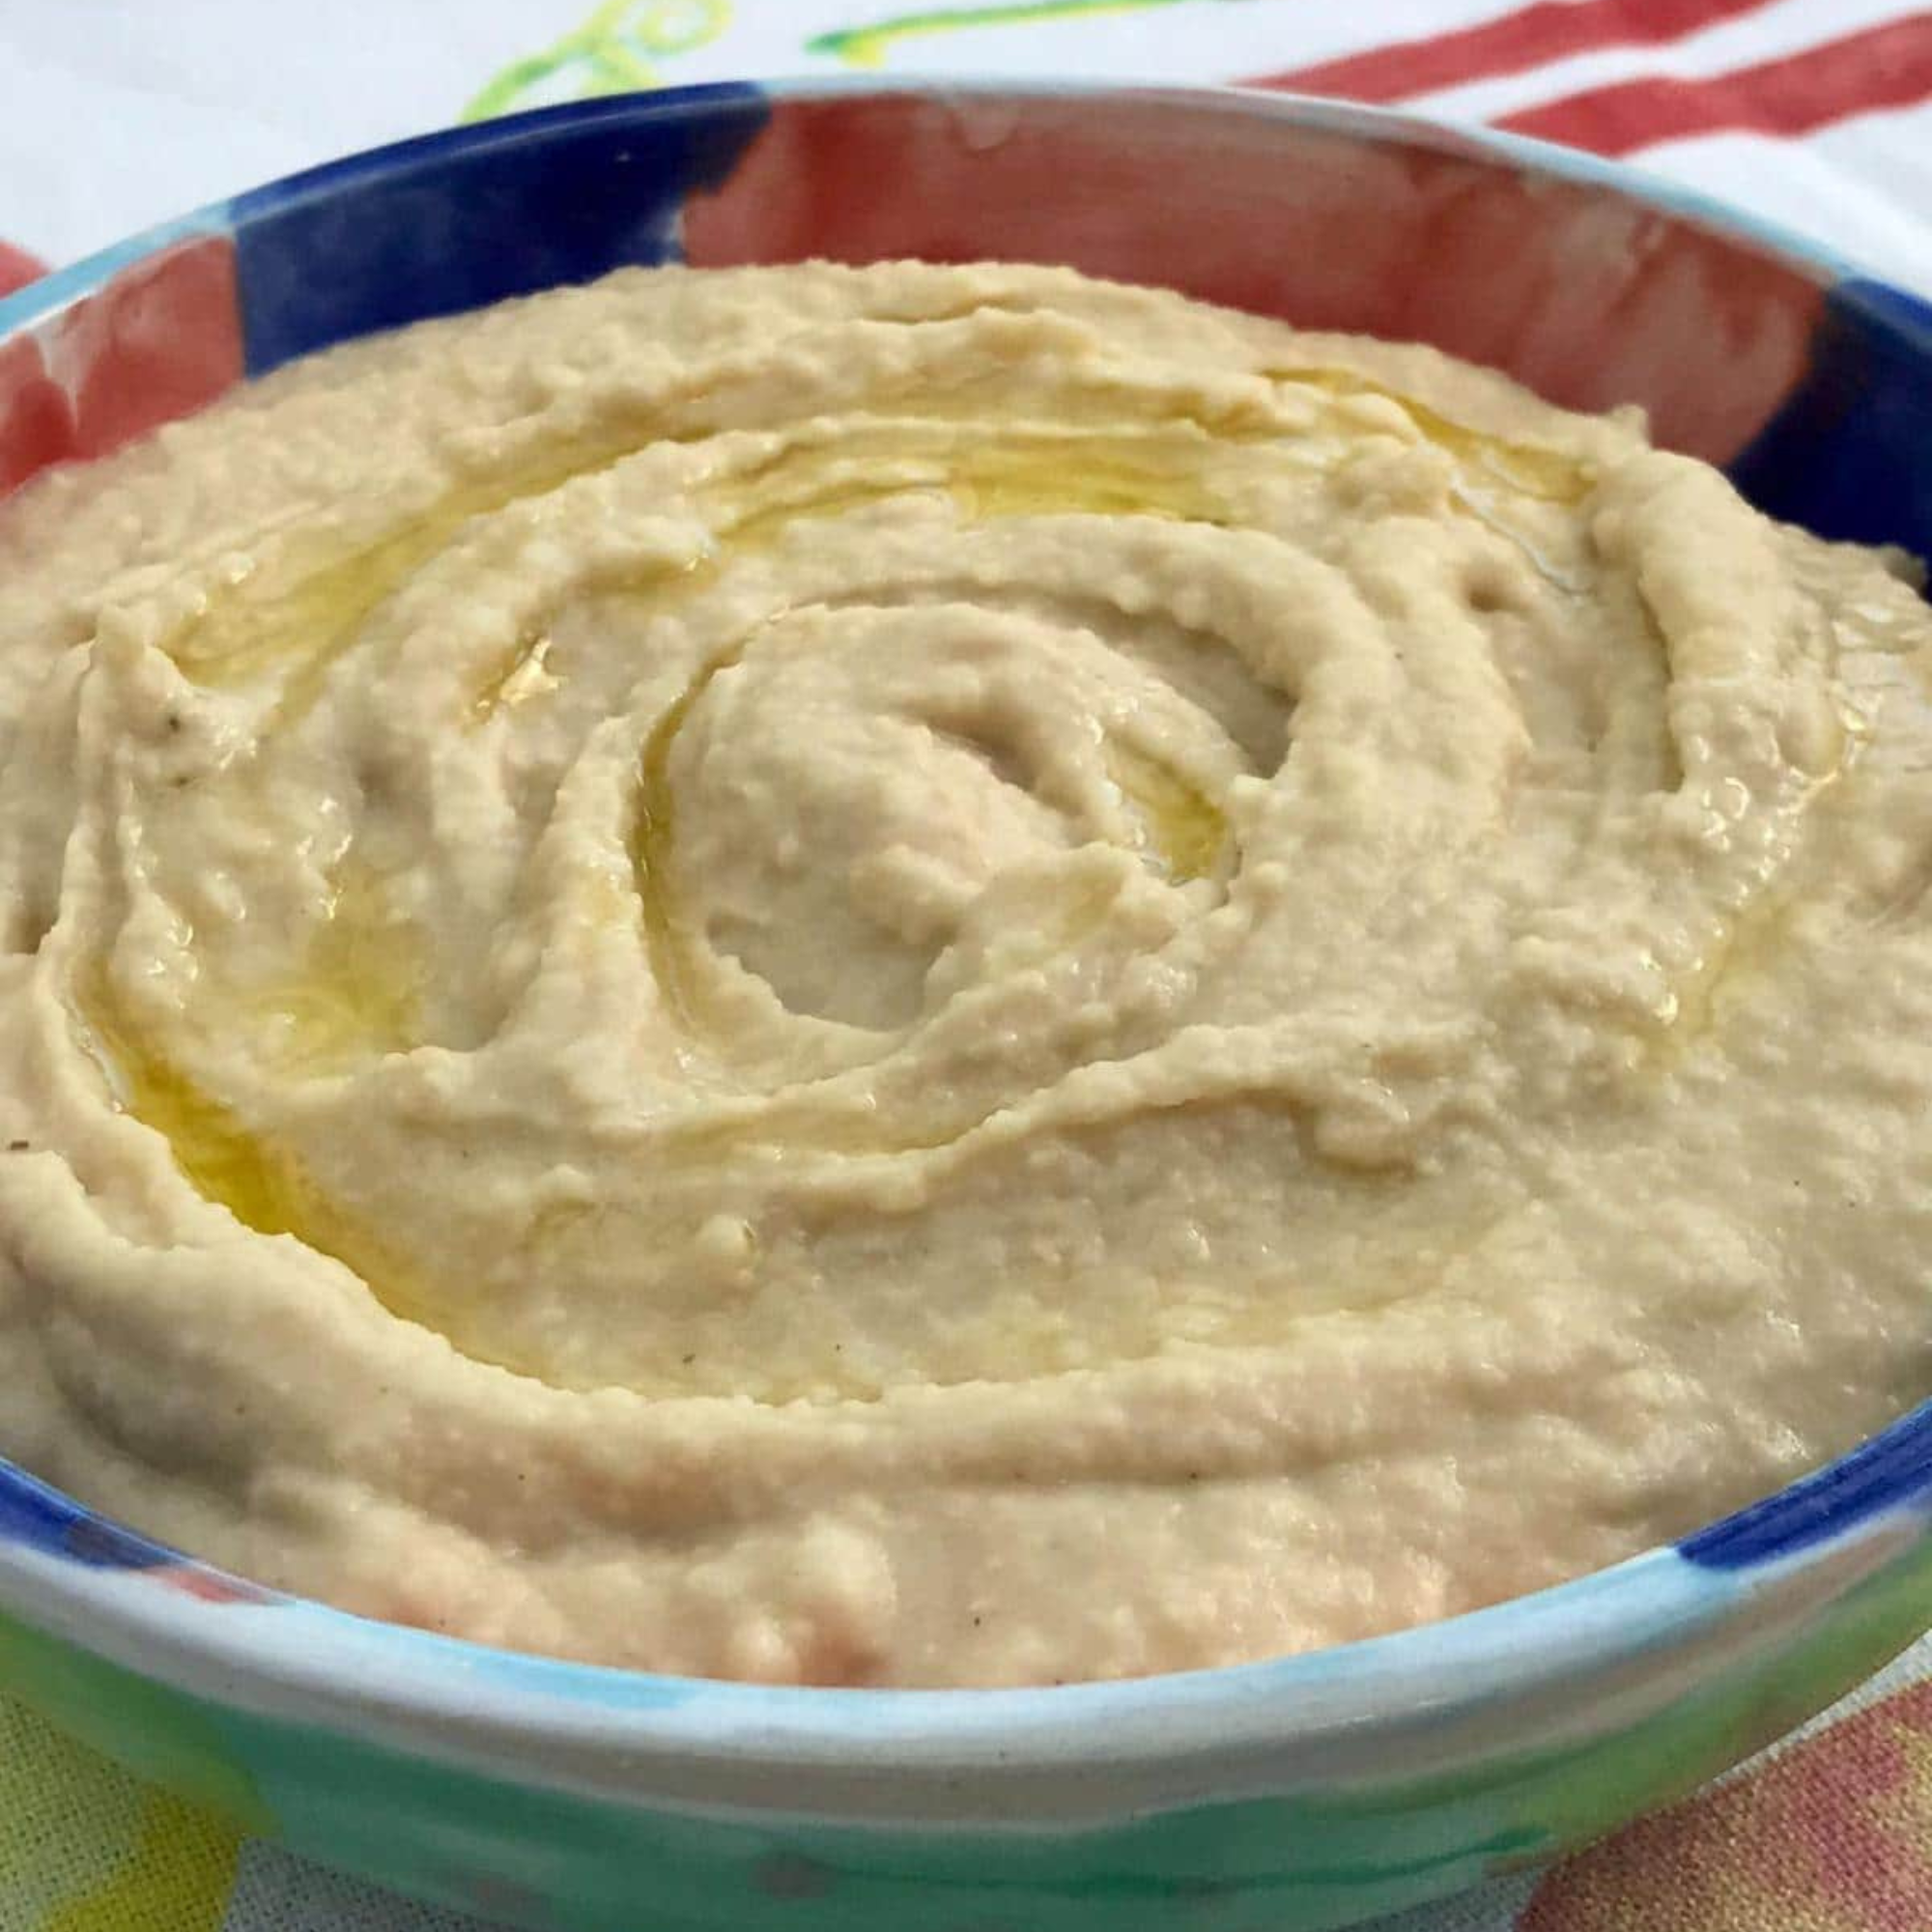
(728, 971)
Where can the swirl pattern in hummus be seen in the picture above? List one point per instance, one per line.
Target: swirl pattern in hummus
(731, 970)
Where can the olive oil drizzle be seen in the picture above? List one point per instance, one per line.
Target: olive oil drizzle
(307, 611)
(1546, 475)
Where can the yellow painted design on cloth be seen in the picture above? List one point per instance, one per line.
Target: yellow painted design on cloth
(613, 51)
(86, 1848)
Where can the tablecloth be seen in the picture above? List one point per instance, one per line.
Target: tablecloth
(121, 112)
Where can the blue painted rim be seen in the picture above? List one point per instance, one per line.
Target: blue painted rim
(1551, 1635)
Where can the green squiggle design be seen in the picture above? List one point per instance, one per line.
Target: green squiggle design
(611, 49)
(868, 47)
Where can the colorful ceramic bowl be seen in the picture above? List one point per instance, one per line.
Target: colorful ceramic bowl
(1294, 1794)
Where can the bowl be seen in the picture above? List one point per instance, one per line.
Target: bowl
(1296, 1795)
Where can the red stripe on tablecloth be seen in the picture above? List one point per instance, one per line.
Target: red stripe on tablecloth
(1890, 66)
(1550, 30)
(17, 267)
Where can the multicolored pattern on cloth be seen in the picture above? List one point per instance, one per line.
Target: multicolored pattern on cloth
(1818, 112)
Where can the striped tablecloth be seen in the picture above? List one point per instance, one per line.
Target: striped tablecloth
(1816, 111)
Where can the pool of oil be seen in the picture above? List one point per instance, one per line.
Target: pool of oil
(264, 1184)
(1185, 828)
(355, 992)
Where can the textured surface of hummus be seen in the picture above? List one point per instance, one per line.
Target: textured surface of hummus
(941, 976)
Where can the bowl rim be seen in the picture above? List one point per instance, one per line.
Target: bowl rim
(446, 1695)
(1818, 260)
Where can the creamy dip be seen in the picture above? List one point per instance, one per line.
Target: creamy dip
(739, 971)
